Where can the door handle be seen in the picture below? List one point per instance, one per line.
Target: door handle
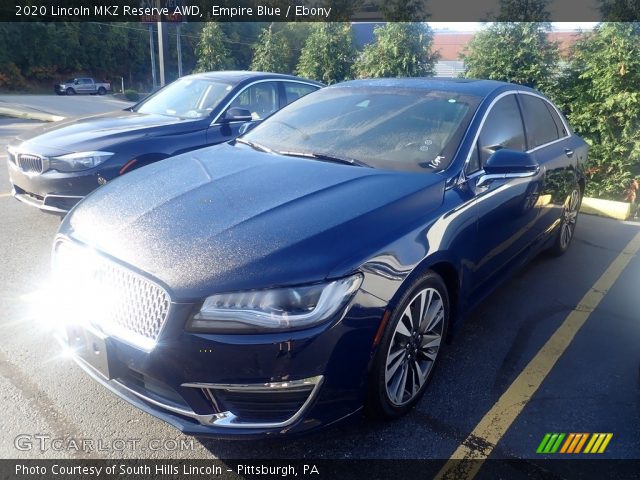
(568, 152)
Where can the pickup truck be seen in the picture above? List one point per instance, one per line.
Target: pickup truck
(82, 85)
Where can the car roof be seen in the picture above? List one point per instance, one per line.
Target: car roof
(469, 86)
(237, 76)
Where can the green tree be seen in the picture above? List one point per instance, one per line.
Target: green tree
(620, 10)
(328, 53)
(400, 50)
(296, 34)
(600, 92)
(523, 11)
(513, 52)
(211, 50)
(404, 10)
(271, 53)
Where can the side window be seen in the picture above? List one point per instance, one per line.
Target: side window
(260, 99)
(558, 121)
(294, 91)
(85, 81)
(502, 129)
(541, 128)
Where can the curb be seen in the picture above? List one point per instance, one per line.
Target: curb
(606, 208)
(17, 112)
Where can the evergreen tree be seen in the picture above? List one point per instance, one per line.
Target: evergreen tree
(328, 53)
(400, 50)
(513, 52)
(600, 92)
(211, 50)
(271, 53)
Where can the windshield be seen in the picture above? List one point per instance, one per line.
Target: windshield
(389, 128)
(186, 98)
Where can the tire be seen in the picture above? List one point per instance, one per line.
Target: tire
(568, 221)
(391, 391)
(70, 91)
(102, 91)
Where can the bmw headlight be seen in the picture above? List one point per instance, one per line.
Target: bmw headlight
(275, 309)
(74, 162)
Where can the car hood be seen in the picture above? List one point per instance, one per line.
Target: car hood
(229, 218)
(100, 131)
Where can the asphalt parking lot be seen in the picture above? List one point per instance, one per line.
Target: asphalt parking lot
(593, 387)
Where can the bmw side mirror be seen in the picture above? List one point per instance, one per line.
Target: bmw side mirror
(236, 114)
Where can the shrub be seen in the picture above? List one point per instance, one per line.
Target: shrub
(11, 77)
(132, 95)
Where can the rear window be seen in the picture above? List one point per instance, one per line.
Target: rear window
(541, 127)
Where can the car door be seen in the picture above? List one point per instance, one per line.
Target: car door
(506, 208)
(548, 136)
(261, 99)
(84, 85)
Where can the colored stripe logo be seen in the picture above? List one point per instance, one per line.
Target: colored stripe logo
(574, 443)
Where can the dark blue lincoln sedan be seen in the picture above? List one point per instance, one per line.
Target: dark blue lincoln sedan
(55, 166)
(313, 268)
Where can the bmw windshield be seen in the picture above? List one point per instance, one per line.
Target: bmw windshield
(186, 98)
(414, 130)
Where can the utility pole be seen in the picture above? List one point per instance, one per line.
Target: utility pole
(162, 37)
(179, 47)
(153, 57)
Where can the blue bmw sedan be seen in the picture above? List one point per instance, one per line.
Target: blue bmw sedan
(55, 166)
(314, 268)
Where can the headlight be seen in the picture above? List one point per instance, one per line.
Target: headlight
(78, 161)
(276, 309)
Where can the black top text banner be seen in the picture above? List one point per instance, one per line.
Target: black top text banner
(148, 11)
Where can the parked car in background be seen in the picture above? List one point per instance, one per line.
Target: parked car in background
(82, 85)
(314, 267)
(54, 167)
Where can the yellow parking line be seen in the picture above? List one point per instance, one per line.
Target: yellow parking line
(5, 195)
(468, 458)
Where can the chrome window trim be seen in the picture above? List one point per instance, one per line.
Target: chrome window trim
(216, 121)
(463, 177)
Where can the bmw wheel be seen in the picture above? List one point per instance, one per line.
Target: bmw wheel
(409, 348)
(568, 222)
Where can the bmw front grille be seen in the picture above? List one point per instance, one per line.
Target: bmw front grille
(29, 163)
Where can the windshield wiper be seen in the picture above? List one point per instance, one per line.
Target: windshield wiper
(325, 157)
(254, 145)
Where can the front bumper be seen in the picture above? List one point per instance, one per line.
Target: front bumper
(246, 386)
(54, 191)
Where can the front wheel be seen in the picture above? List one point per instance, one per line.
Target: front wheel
(568, 222)
(70, 91)
(409, 348)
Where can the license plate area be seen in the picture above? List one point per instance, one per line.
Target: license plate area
(92, 347)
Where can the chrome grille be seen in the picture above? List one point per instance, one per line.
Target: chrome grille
(30, 163)
(114, 299)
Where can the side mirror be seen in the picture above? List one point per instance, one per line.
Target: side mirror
(506, 161)
(76, 82)
(236, 114)
(245, 127)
